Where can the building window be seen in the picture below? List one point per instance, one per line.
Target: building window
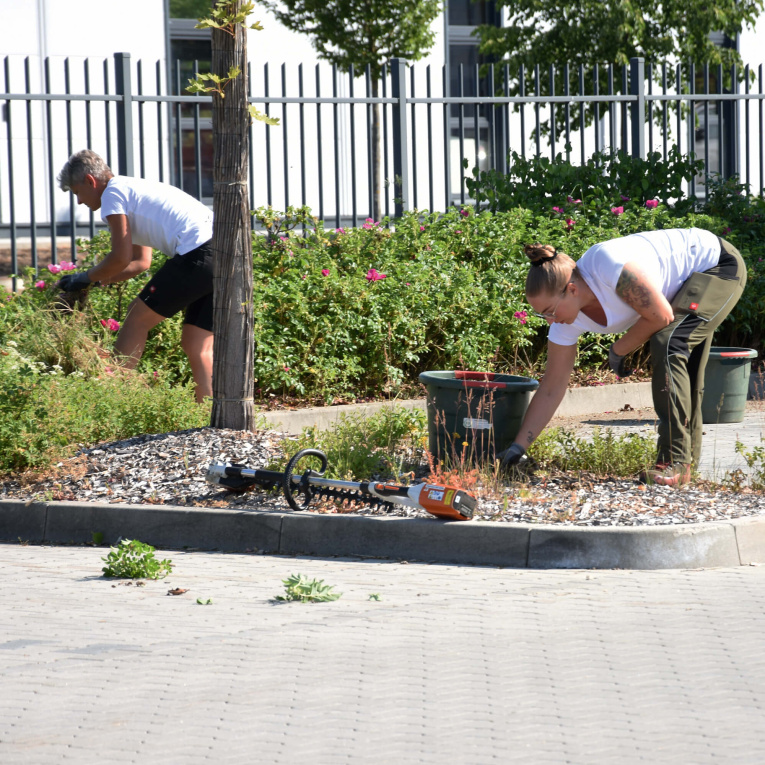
(469, 136)
(191, 52)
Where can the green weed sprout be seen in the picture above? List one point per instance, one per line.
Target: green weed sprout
(132, 559)
(299, 587)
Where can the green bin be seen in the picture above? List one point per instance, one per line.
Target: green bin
(726, 384)
(473, 415)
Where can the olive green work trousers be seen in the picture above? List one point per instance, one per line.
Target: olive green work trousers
(680, 351)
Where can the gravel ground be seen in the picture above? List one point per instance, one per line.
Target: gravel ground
(170, 469)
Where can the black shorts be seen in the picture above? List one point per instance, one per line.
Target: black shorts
(185, 281)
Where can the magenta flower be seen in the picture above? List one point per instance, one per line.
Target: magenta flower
(54, 269)
(458, 231)
(573, 201)
(66, 265)
(464, 213)
(286, 368)
(624, 199)
(617, 210)
(521, 316)
(40, 285)
(558, 210)
(339, 230)
(570, 223)
(422, 228)
(371, 223)
(373, 275)
(325, 272)
(110, 324)
(651, 203)
(726, 230)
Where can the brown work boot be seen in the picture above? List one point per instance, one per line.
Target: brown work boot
(665, 474)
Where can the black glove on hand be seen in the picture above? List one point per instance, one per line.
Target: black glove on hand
(510, 456)
(616, 362)
(74, 282)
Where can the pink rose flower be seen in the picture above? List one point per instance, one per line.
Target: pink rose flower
(651, 203)
(521, 316)
(339, 230)
(54, 269)
(573, 201)
(66, 265)
(325, 272)
(570, 223)
(464, 213)
(557, 210)
(110, 324)
(373, 275)
(371, 223)
(617, 210)
(40, 285)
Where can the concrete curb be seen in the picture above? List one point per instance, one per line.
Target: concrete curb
(719, 544)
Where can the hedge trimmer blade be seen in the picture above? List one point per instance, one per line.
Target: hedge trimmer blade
(448, 502)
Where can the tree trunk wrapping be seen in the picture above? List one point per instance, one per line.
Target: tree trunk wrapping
(232, 246)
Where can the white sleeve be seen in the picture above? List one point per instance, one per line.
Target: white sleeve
(113, 202)
(564, 334)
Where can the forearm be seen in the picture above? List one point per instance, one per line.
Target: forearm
(542, 407)
(133, 269)
(639, 333)
(110, 267)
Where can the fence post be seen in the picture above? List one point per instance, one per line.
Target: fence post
(637, 107)
(400, 148)
(123, 86)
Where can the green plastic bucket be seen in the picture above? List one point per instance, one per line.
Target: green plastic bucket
(473, 415)
(726, 384)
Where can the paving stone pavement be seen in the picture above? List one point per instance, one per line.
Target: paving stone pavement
(452, 665)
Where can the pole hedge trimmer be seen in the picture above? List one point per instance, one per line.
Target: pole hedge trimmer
(442, 501)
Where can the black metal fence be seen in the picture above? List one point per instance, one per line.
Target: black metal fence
(321, 154)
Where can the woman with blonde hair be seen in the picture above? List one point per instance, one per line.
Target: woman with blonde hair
(671, 288)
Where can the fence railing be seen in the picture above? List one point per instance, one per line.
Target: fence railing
(322, 153)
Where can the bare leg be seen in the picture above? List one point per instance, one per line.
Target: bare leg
(197, 344)
(131, 340)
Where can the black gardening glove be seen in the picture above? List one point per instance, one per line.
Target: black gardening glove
(511, 457)
(616, 362)
(74, 282)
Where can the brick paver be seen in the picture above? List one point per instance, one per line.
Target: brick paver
(452, 665)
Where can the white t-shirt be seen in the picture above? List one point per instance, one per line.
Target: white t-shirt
(161, 216)
(668, 258)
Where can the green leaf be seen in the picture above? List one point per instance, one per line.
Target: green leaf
(256, 114)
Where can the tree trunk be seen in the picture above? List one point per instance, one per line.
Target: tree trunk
(232, 247)
(376, 141)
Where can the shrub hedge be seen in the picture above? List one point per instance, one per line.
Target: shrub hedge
(362, 311)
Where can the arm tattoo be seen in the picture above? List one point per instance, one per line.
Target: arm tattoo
(629, 289)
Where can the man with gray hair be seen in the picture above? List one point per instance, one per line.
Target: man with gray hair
(144, 215)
